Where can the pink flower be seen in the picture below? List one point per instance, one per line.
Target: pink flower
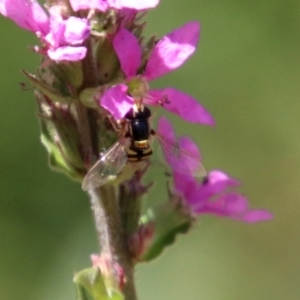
(168, 54)
(212, 197)
(63, 37)
(104, 5)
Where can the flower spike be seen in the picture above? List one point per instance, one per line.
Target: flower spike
(93, 97)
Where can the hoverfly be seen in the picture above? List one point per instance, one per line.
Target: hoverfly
(134, 147)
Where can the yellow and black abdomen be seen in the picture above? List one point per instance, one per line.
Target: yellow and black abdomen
(139, 147)
(136, 154)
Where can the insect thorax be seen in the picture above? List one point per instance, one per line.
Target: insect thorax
(139, 132)
(138, 124)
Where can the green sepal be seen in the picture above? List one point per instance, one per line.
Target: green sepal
(55, 159)
(170, 220)
(65, 78)
(60, 137)
(90, 285)
(66, 75)
(47, 90)
(87, 97)
(108, 70)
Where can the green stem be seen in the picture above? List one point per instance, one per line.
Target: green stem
(130, 209)
(131, 194)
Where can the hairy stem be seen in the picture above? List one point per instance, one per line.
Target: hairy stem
(111, 236)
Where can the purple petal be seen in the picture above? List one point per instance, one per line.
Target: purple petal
(190, 158)
(55, 18)
(72, 31)
(127, 15)
(221, 179)
(182, 156)
(215, 183)
(138, 4)
(67, 53)
(173, 50)
(254, 216)
(57, 28)
(116, 101)
(182, 104)
(28, 14)
(77, 30)
(165, 128)
(54, 38)
(116, 4)
(234, 206)
(128, 51)
(233, 203)
(167, 139)
(91, 4)
(186, 186)
(230, 205)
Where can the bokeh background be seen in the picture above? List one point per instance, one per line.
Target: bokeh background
(247, 73)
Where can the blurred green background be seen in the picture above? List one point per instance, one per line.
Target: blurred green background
(247, 73)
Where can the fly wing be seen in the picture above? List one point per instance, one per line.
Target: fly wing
(182, 160)
(106, 168)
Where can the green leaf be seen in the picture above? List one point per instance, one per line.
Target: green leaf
(169, 222)
(90, 285)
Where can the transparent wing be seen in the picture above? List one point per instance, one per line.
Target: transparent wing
(180, 159)
(106, 168)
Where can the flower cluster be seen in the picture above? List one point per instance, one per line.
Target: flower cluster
(62, 35)
(61, 38)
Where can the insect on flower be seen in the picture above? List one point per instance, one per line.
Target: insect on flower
(134, 146)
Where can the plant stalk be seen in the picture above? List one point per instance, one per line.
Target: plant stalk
(104, 201)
